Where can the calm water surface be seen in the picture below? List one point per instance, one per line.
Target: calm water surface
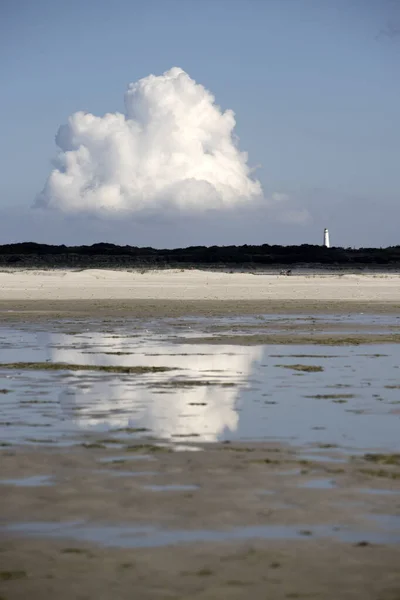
(210, 392)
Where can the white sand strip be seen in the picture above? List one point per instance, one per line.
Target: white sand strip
(194, 285)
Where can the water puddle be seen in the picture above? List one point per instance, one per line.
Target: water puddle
(322, 458)
(184, 448)
(127, 473)
(290, 472)
(180, 393)
(387, 521)
(379, 492)
(34, 481)
(282, 505)
(319, 484)
(126, 457)
(171, 488)
(128, 536)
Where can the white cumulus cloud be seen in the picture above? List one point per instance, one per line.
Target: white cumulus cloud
(173, 148)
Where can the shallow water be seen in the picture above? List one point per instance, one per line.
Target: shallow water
(211, 393)
(172, 487)
(379, 492)
(125, 457)
(128, 473)
(319, 484)
(34, 481)
(322, 458)
(128, 536)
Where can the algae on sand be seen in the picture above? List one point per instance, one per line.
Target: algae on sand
(380, 473)
(331, 396)
(188, 383)
(305, 368)
(322, 339)
(53, 366)
(147, 448)
(11, 575)
(383, 459)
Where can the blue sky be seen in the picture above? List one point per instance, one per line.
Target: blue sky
(314, 84)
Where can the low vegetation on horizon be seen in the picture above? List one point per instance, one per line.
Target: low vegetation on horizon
(102, 255)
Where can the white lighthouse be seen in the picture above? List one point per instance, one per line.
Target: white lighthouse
(326, 238)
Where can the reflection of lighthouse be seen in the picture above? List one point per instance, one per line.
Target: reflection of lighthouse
(326, 238)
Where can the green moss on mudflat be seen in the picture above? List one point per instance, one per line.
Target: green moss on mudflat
(147, 448)
(380, 473)
(133, 430)
(10, 575)
(305, 368)
(331, 396)
(383, 459)
(237, 449)
(325, 446)
(265, 461)
(187, 383)
(204, 572)
(318, 356)
(120, 353)
(50, 366)
(94, 445)
(75, 551)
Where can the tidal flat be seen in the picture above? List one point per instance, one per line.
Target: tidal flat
(171, 454)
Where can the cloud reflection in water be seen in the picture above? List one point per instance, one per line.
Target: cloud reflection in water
(197, 397)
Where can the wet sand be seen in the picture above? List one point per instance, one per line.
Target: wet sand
(171, 293)
(279, 526)
(111, 517)
(32, 310)
(218, 571)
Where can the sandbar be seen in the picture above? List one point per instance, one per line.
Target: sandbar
(179, 292)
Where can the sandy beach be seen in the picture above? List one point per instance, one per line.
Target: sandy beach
(197, 434)
(194, 285)
(177, 292)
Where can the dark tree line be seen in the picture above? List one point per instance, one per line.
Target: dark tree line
(102, 255)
